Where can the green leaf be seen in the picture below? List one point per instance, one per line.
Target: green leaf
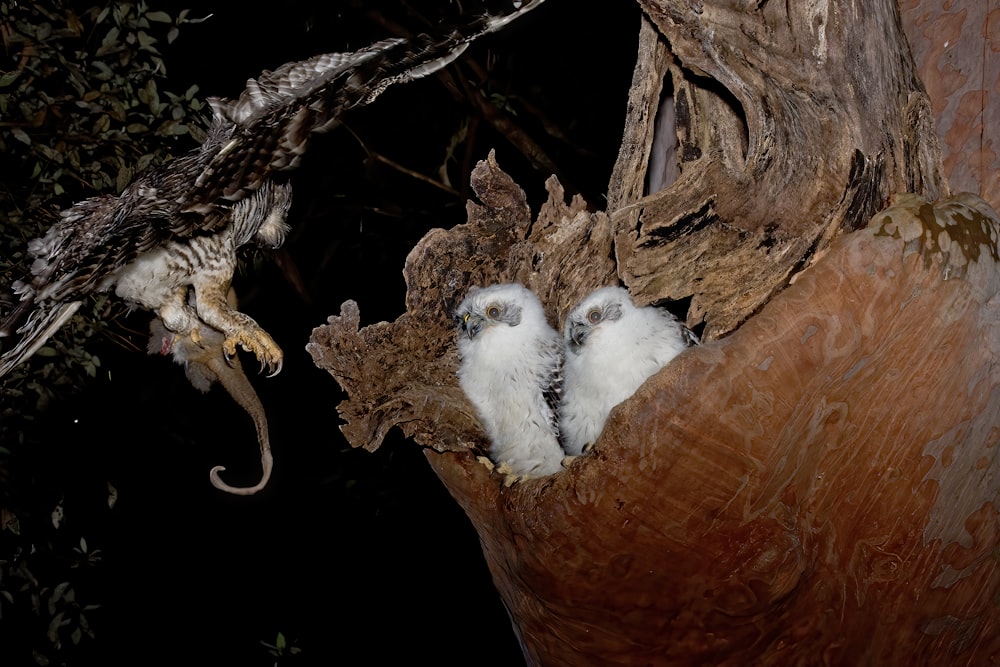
(54, 625)
(9, 77)
(21, 136)
(152, 96)
(146, 42)
(104, 72)
(111, 39)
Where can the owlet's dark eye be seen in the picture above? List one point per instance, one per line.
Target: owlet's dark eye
(493, 312)
(595, 316)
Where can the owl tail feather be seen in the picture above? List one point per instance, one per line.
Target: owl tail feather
(40, 325)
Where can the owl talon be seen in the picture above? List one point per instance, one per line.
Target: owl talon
(229, 355)
(260, 344)
(503, 468)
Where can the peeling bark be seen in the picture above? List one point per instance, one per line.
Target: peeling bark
(792, 130)
(817, 488)
(816, 483)
(562, 255)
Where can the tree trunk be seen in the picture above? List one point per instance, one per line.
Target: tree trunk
(816, 483)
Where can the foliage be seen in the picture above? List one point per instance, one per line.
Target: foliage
(281, 649)
(81, 112)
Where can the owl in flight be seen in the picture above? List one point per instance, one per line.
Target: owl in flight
(510, 370)
(611, 348)
(176, 229)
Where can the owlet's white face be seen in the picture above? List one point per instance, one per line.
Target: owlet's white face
(600, 309)
(485, 309)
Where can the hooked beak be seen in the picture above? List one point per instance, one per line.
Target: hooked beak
(578, 332)
(472, 325)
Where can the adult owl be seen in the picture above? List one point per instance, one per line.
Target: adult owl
(177, 228)
(510, 370)
(612, 347)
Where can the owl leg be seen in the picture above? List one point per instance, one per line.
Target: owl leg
(240, 329)
(178, 318)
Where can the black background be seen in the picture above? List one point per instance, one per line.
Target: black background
(356, 557)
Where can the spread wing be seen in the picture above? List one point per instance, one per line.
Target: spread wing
(252, 140)
(268, 128)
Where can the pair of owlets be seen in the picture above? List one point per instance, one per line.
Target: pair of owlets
(541, 396)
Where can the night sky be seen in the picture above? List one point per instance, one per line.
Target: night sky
(357, 557)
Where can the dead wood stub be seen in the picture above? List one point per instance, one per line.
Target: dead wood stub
(403, 373)
(820, 482)
(745, 504)
(816, 483)
(787, 125)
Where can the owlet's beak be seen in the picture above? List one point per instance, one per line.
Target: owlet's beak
(471, 324)
(578, 332)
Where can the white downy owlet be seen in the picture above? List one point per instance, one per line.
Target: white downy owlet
(612, 347)
(510, 369)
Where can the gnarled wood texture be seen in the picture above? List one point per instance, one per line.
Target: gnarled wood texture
(792, 128)
(816, 483)
(403, 373)
(818, 488)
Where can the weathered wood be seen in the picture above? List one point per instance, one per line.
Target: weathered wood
(404, 373)
(817, 483)
(792, 129)
(820, 484)
(817, 488)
